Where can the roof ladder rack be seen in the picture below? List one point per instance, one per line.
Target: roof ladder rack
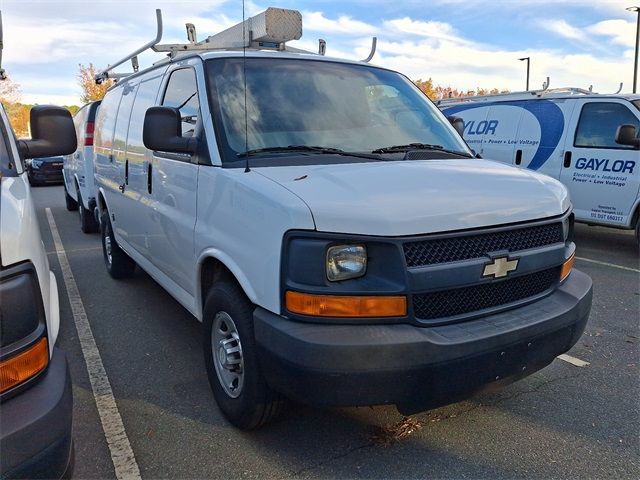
(104, 74)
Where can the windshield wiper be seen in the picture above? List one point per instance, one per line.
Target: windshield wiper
(419, 146)
(308, 148)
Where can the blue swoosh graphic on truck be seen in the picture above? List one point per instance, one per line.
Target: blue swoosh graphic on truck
(548, 115)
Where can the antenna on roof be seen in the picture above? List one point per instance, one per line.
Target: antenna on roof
(545, 85)
(619, 89)
(3, 75)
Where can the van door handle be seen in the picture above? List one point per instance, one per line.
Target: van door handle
(518, 157)
(149, 172)
(567, 159)
(121, 187)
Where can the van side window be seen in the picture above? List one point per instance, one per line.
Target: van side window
(598, 124)
(145, 98)
(182, 93)
(122, 122)
(105, 122)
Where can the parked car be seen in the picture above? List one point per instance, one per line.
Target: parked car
(35, 387)
(337, 238)
(44, 171)
(79, 185)
(569, 134)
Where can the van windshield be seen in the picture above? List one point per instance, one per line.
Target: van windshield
(311, 103)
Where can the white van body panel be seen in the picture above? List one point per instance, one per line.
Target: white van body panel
(537, 133)
(404, 198)
(20, 241)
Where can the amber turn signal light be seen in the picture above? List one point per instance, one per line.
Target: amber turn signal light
(24, 365)
(566, 267)
(346, 306)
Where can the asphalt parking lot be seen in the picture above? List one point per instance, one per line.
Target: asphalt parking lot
(564, 421)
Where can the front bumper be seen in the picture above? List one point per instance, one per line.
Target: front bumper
(418, 368)
(35, 426)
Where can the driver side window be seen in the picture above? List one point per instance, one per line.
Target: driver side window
(182, 93)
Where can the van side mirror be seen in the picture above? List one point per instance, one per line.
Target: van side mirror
(458, 123)
(626, 135)
(162, 131)
(52, 133)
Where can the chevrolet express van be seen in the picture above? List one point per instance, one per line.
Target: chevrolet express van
(334, 234)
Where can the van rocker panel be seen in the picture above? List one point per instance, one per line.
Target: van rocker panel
(419, 368)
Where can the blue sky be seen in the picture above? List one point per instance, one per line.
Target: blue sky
(460, 43)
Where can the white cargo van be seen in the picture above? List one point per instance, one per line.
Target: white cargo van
(36, 402)
(568, 134)
(79, 186)
(335, 236)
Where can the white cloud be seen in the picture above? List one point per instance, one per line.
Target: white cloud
(405, 25)
(621, 32)
(563, 29)
(317, 22)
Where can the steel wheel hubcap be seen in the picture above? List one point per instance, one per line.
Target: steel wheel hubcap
(107, 247)
(226, 350)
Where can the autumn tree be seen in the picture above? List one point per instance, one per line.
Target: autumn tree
(9, 91)
(91, 91)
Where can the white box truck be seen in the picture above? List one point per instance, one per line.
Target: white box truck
(569, 134)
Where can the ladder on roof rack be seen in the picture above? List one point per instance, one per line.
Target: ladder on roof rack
(516, 95)
(270, 29)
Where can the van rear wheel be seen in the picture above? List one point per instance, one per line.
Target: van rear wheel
(230, 355)
(118, 263)
(88, 222)
(71, 204)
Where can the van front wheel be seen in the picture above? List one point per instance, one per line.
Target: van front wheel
(238, 384)
(118, 263)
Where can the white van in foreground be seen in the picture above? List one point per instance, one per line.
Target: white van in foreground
(568, 134)
(79, 186)
(338, 240)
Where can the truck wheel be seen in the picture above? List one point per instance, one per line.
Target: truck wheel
(87, 221)
(72, 205)
(118, 263)
(230, 356)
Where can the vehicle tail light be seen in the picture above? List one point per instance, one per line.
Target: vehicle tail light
(88, 134)
(346, 306)
(566, 267)
(25, 365)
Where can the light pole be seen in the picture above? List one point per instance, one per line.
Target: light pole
(528, 59)
(635, 62)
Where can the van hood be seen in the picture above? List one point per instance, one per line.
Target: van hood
(420, 196)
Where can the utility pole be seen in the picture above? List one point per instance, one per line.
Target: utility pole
(635, 63)
(528, 59)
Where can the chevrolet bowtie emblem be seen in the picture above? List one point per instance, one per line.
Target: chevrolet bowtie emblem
(499, 267)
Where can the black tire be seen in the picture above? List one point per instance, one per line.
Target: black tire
(118, 263)
(256, 403)
(71, 204)
(88, 222)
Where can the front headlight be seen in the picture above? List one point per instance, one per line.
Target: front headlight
(346, 261)
(35, 163)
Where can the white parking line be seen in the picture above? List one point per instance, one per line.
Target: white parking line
(573, 360)
(124, 461)
(606, 264)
